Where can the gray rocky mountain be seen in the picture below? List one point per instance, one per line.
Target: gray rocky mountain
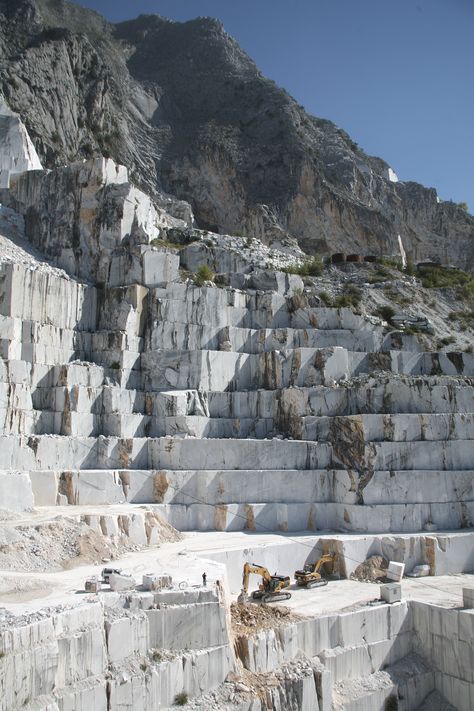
(193, 119)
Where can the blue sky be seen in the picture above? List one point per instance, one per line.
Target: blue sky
(397, 75)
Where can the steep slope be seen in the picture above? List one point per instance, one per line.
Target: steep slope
(190, 115)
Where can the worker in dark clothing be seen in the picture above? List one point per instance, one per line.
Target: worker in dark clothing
(204, 579)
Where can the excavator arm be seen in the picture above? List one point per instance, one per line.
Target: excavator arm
(326, 558)
(250, 568)
(310, 577)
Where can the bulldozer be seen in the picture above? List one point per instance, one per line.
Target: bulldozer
(270, 589)
(310, 576)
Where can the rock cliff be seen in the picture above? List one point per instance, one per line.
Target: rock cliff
(192, 118)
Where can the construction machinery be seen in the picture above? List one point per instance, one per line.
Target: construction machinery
(270, 589)
(310, 576)
(107, 572)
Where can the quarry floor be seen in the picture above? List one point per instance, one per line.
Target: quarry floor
(187, 559)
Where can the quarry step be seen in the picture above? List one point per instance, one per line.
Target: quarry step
(266, 486)
(107, 398)
(83, 424)
(174, 336)
(305, 499)
(40, 452)
(406, 427)
(407, 682)
(221, 370)
(180, 303)
(281, 516)
(411, 456)
(386, 394)
(53, 402)
(46, 297)
(99, 487)
(34, 341)
(370, 428)
(355, 661)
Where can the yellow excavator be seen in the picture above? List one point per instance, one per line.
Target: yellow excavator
(270, 589)
(310, 576)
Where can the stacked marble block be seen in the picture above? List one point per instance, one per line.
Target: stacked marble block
(111, 655)
(101, 656)
(364, 658)
(119, 383)
(226, 373)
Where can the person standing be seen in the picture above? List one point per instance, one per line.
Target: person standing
(204, 579)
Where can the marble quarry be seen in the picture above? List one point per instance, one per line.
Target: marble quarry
(246, 408)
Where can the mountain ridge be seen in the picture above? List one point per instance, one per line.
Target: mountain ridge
(193, 118)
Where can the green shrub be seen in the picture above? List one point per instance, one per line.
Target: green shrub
(350, 299)
(443, 277)
(447, 340)
(325, 298)
(313, 267)
(87, 149)
(310, 267)
(410, 268)
(342, 302)
(164, 243)
(181, 699)
(204, 273)
(392, 262)
(385, 312)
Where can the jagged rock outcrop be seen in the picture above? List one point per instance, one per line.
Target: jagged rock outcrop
(90, 220)
(187, 111)
(18, 153)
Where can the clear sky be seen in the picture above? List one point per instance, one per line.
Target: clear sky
(397, 75)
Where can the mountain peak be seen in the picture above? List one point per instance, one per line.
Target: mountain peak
(191, 116)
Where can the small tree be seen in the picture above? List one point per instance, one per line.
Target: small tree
(410, 267)
(204, 273)
(181, 699)
(464, 206)
(386, 312)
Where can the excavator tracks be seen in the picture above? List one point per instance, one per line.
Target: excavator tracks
(269, 597)
(317, 583)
